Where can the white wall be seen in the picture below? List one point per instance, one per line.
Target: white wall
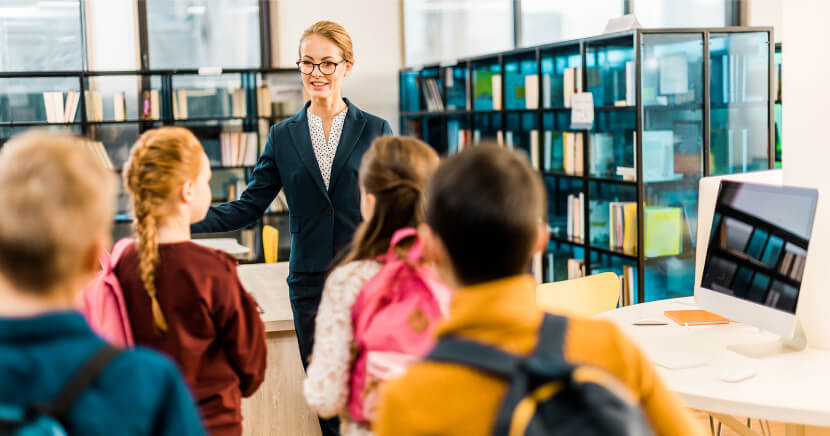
(766, 13)
(375, 28)
(806, 153)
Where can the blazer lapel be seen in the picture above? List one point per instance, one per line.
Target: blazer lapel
(352, 129)
(305, 149)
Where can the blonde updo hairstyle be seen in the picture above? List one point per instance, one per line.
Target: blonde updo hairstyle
(334, 33)
(160, 162)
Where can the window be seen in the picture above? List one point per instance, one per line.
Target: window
(438, 30)
(40, 35)
(111, 34)
(546, 21)
(202, 33)
(690, 13)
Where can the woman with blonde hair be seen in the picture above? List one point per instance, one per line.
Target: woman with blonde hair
(314, 157)
(183, 299)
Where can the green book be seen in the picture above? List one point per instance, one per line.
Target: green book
(664, 231)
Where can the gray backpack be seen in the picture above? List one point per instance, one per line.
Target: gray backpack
(547, 395)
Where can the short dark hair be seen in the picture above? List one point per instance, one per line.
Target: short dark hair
(485, 204)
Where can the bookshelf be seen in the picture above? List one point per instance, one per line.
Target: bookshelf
(670, 106)
(229, 110)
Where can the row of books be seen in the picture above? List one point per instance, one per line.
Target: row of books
(622, 226)
(737, 84)
(575, 216)
(210, 99)
(279, 205)
(628, 282)
(575, 268)
(238, 148)
(234, 189)
(792, 265)
(56, 110)
(432, 94)
(100, 152)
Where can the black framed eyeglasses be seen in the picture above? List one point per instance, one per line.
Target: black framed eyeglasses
(326, 68)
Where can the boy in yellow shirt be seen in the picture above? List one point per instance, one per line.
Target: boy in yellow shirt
(485, 219)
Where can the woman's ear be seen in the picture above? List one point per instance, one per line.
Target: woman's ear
(187, 191)
(347, 70)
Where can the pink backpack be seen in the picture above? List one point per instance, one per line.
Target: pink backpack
(102, 301)
(394, 319)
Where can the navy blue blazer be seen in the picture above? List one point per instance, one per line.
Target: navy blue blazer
(321, 221)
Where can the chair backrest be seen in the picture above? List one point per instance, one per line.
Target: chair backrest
(270, 243)
(582, 297)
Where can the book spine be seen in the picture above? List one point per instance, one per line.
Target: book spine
(497, 97)
(534, 149)
(532, 91)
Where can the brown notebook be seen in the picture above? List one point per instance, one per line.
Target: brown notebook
(694, 317)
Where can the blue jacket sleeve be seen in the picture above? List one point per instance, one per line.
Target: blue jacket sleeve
(177, 414)
(387, 129)
(265, 184)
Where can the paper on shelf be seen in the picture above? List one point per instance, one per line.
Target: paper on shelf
(582, 111)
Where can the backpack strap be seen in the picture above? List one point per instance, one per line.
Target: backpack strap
(475, 355)
(414, 254)
(546, 364)
(118, 249)
(79, 382)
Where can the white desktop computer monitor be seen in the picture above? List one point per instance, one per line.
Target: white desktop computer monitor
(707, 197)
(755, 255)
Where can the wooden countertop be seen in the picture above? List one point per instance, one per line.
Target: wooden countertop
(266, 282)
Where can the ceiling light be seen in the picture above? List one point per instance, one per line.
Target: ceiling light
(196, 10)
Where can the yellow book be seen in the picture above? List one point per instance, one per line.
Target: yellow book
(630, 228)
(663, 231)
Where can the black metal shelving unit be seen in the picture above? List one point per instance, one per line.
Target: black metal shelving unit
(433, 126)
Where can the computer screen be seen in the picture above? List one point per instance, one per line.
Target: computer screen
(758, 243)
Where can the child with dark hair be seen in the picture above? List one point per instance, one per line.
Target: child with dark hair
(485, 218)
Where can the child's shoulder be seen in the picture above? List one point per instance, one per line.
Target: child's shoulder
(206, 258)
(143, 367)
(358, 269)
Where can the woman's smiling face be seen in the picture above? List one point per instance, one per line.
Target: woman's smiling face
(316, 49)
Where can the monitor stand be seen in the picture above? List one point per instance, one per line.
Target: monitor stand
(775, 347)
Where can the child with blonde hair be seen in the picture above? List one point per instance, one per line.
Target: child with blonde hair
(57, 214)
(184, 299)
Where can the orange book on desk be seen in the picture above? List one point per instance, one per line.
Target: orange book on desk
(694, 317)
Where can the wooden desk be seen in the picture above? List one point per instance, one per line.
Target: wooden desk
(278, 407)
